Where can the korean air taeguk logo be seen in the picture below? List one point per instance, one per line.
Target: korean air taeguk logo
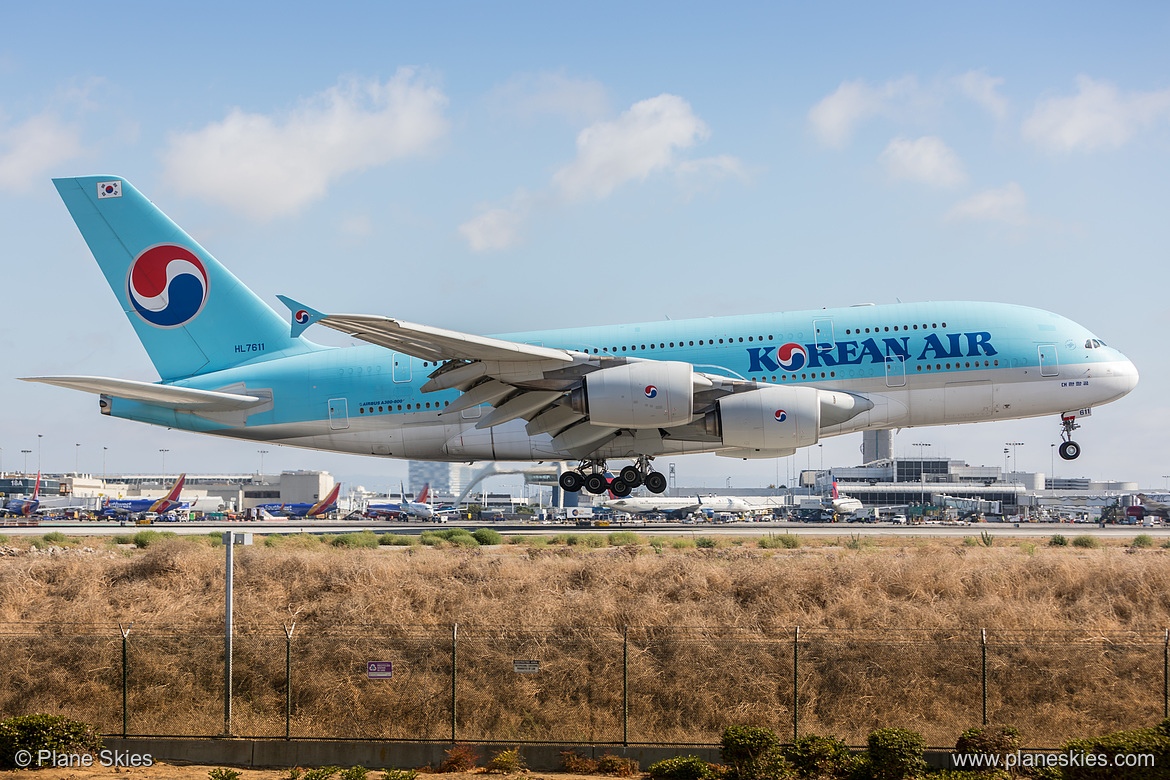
(167, 285)
(651, 391)
(791, 357)
(301, 317)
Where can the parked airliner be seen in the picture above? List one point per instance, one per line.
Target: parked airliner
(745, 386)
(408, 509)
(134, 506)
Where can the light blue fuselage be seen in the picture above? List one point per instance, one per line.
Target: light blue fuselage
(921, 364)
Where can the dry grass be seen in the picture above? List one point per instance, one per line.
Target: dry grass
(890, 636)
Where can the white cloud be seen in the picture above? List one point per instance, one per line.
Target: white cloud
(30, 150)
(835, 117)
(493, 229)
(642, 140)
(269, 166)
(1007, 204)
(927, 160)
(532, 95)
(983, 89)
(1098, 116)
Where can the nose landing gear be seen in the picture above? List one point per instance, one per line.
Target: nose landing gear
(1069, 449)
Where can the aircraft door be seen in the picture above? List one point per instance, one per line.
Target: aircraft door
(338, 414)
(1049, 366)
(402, 370)
(895, 371)
(823, 331)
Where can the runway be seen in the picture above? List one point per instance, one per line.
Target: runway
(295, 526)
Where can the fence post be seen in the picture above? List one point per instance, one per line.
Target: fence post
(983, 648)
(288, 632)
(125, 633)
(796, 684)
(626, 686)
(454, 659)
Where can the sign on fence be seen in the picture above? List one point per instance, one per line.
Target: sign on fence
(379, 670)
(525, 667)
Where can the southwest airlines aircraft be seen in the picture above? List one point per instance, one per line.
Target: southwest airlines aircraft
(324, 506)
(747, 386)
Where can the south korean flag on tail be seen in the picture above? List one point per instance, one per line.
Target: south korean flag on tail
(109, 189)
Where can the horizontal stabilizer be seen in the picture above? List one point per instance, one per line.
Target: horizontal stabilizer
(162, 395)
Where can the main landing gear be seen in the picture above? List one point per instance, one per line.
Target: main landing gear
(591, 475)
(1069, 450)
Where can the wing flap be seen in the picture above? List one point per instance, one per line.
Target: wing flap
(148, 392)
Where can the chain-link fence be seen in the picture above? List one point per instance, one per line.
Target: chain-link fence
(637, 685)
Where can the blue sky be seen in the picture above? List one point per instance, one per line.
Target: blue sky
(512, 166)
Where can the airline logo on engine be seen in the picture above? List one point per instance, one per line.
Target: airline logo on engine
(651, 391)
(935, 346)
(781, 415)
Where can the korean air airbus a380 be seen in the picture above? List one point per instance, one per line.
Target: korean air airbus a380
(747, 386)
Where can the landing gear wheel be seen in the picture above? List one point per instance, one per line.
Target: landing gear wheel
(655, 482)
(596, 484)
(571, 481)
(631, 476)
(620, 488)
(1070, 450)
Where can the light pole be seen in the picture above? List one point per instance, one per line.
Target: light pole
(76, 458)
(1052, 463)
(262, 454)
(1013, 445)
(1167, 477)
(164, 462)
(26, 452)
(104, 466)
(39, 437)
(921, 445)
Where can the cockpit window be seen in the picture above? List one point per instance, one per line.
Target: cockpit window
(1094, 343)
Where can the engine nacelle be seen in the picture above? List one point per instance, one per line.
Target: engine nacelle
(768, 419)
(650, 394)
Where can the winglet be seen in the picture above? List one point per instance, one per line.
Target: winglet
(302, 315)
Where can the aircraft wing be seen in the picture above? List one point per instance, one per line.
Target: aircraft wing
(148, 392)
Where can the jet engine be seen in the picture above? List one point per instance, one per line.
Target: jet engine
(643, 394)
(775, 419)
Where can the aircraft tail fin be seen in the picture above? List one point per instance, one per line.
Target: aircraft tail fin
(37, 487)
(191, 314)
(177, 488)
(324, 504)
(424, 494)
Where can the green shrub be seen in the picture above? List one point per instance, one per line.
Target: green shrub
(400, 774)
(775, 541)
(354, 773)
(506, 761)
(680, 768)
(215, 538)
(224, 773)
(4, 539)
(1153, 742)
(123, 539)
(896, 753)
(430, 539)
(367, 540)
(45, 732)
(322, 773)
(1058, 540)
(620, 538)
(997, 740)
(488, 536)
(54, 537)
(144, 539)
(1143, 540)
(814, 756)
(397, 540)
(751, 753)
(682, 544)
(1087, 542)
(706, 543)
